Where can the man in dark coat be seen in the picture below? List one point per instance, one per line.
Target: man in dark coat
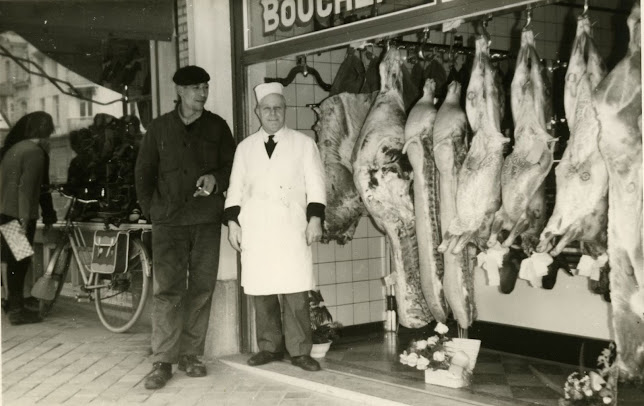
(181, 173)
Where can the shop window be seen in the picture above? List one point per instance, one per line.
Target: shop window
(86, 106)
(40, 61)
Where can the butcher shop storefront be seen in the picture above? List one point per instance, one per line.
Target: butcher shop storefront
(483, 160)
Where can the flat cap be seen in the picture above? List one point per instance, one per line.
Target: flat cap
(190, 75)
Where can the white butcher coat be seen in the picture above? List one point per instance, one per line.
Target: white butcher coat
(273, 195)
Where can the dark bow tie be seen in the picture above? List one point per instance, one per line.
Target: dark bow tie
(270, 145)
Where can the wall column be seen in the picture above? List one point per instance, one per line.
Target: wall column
(210, 44)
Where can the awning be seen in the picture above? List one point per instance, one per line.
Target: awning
(98, 19)
(98, 39)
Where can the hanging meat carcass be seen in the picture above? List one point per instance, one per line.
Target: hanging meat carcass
(419, 150)
(339, 120)
(350, 76)
(581, 203)
(478, 194)
(382, 175)
(525, 169)
(449, 135)
(618, 102)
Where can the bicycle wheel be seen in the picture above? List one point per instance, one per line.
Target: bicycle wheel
(120, 304)
(58, 266)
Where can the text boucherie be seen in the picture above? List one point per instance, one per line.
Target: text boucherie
(284, 14)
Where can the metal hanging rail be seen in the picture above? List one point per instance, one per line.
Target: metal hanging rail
(396, 24)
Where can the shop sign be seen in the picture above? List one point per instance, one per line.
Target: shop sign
(284, 14)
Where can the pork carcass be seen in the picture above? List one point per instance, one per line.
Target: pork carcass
(449, 135)
(618, 102)
(581, 203)
(525, 169)
(419, 150)
(339, 120)
(382, 175)
(478, 194)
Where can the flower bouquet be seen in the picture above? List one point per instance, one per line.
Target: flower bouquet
(592, 388)
(446, 361)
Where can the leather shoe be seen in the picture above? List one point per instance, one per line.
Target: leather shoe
(264, 357)
(192, 366)
(306, 363)
(18, 317)
(160, 374)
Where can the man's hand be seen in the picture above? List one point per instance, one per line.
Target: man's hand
(205, 185)
(314, 230)
(235, 235)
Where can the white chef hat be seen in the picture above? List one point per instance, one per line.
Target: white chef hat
(265, 89)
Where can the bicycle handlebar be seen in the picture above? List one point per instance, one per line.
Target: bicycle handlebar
(60, 189)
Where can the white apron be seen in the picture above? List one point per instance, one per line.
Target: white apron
(273, 196)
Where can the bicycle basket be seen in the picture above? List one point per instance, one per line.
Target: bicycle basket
(110, 252)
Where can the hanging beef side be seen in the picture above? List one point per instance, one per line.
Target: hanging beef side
(581, 203)
(339, 120)
(618, 102)
(449, 135)
(478, 194)
(382, 174)
(526, 168)
(419, 150)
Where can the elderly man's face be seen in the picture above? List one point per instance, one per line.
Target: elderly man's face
(272, 112)
(193, 97)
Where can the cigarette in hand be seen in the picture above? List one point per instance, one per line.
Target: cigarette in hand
(203, 190)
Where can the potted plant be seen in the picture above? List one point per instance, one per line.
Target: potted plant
(324, 329)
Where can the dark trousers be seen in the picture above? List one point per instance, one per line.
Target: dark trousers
(185, 262)
(16, 270)
(297, 323)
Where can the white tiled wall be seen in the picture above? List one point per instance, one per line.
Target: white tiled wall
(350, 276)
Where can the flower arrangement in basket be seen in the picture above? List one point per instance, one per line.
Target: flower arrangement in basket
(325, 330)
(592, 388)
(446, 361)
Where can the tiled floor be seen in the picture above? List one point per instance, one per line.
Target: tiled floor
(514, 379)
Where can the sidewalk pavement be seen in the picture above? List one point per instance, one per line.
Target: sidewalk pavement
(71, 359)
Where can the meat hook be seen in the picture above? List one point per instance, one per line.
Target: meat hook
(528, 18)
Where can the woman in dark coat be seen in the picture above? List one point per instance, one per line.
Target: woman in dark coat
(24, 169)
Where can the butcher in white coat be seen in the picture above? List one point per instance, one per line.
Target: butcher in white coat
(274, 212)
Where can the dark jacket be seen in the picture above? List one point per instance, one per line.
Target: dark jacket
(171, 159)
(23, 170)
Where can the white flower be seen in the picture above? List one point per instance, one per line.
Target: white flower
(403, 358)
(439, 356)
(588, 392)
(596, 381)
(607, 400)
(421, 345)
(422, 363)
(432, 340)
(412, 359)
(441, 328)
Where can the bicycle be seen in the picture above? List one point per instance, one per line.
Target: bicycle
(119, 296)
